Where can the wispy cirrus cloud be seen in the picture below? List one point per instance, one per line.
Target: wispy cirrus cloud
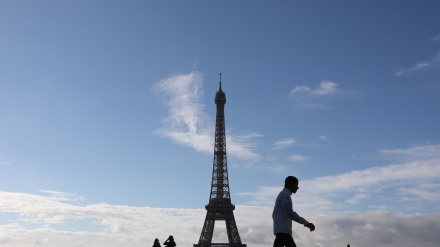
(323, 137)
(314, 97)
(63, 196)
(414, 153)
(436, 38)
(325, 88)
(283, 143)
(298, 158)
(187, 122)
(428, 65)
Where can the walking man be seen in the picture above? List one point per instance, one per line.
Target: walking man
(283, 215)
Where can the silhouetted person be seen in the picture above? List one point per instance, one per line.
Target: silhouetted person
(348, 245)
(170, 242)
(283, 215)
(156, 243)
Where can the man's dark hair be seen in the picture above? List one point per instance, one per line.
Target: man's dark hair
(290, 179)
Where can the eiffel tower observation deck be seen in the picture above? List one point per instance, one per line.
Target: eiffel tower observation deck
(220, 207)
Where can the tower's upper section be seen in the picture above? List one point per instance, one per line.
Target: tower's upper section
(220, 96)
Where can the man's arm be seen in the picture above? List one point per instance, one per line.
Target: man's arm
(295, 217)
(292, 214)
(310, 226)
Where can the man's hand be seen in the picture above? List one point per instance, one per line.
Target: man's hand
(310, 226)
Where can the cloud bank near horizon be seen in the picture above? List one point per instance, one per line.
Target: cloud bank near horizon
(54, 218)
(45, 220)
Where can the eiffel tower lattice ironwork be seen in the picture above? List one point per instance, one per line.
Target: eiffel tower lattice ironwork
(220, 206)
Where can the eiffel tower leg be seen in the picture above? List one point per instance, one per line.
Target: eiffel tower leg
(231, 228)
(207, 231)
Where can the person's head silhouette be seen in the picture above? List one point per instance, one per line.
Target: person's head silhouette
(156, 243)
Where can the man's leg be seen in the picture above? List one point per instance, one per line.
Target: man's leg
(283, 239)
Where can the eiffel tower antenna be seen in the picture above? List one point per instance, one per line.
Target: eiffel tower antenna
(220, 74)
(220, 206)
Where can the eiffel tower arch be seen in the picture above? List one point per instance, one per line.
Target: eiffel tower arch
(220, 207)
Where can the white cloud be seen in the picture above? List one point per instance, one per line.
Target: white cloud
(283, 143)
(324, 88)
(349, 181)
(323, 137)
(416, 67)
(187, 122)
(300, 89)
(4, 239)
(436, 38)
(423, 193)
(430, 64)
(41, 217)
(298, 158)
(307, 97)
(416, 152)
(139, 226)
(242, 146)
(374, 228)
(356, 198)
(63, 196)
(411, 181)
(55, 219)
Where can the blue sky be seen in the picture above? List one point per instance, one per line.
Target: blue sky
(107, 114)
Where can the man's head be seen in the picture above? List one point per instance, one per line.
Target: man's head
(291, 183)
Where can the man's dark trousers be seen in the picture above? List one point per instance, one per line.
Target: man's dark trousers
(283, 239)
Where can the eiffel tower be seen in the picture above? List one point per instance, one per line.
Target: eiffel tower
(220, 206)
